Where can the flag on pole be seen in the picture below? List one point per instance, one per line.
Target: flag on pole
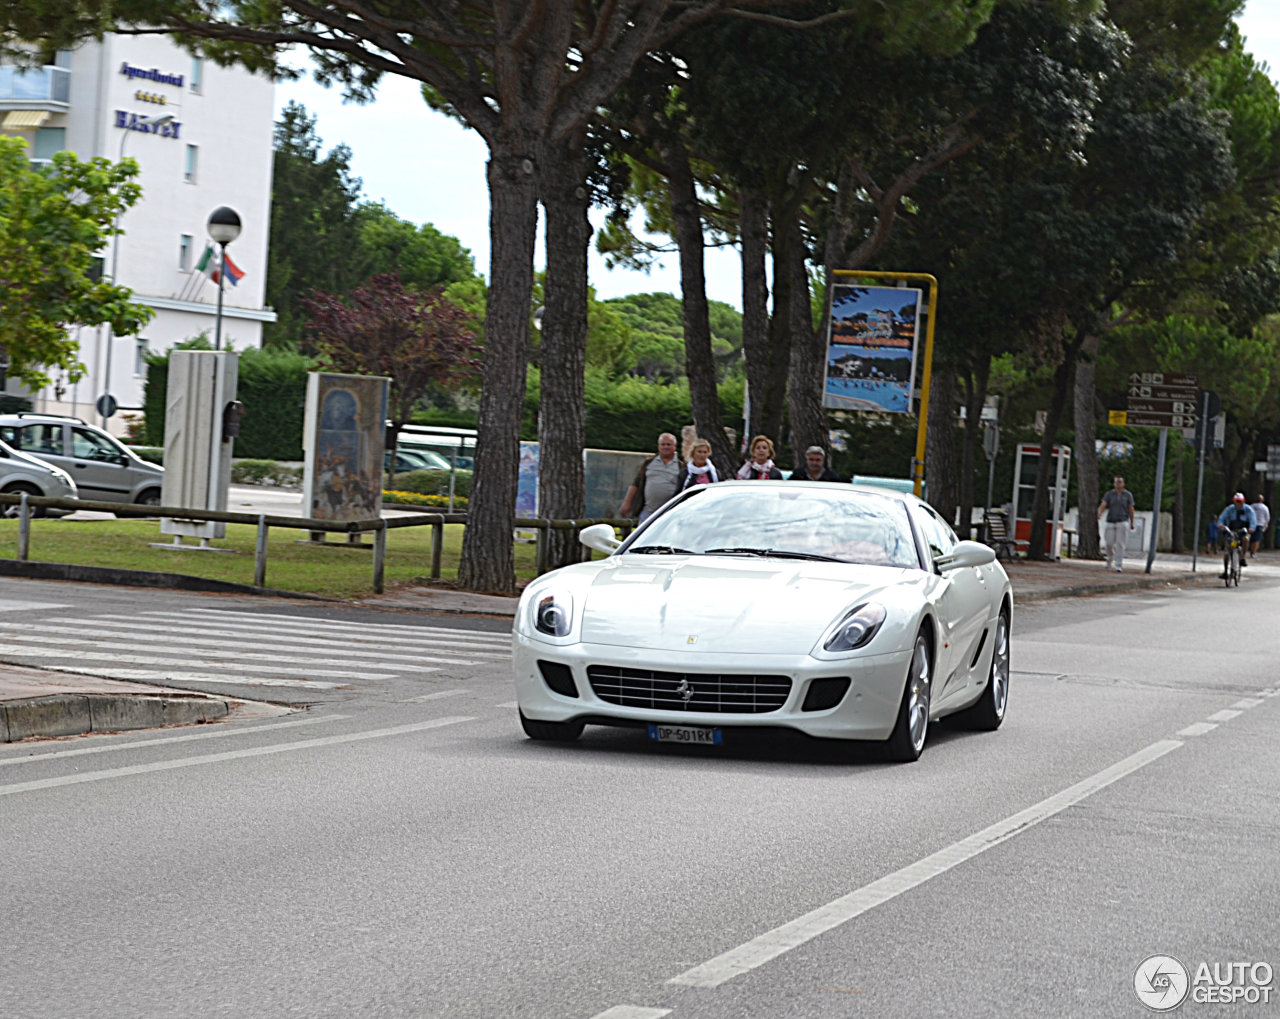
(209, 264)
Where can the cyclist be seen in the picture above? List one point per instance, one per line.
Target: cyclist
(1238, 516)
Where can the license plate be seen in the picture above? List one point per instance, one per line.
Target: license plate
(685, 734)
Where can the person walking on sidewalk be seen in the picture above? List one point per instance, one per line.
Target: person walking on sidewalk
(1117, 503)
(657, 480)
(1263, 514)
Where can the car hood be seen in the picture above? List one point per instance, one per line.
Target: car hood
(721, 605)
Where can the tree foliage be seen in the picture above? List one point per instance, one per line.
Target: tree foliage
(54, 220)
(417, 340)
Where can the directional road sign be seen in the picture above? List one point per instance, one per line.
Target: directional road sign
(1159, 400)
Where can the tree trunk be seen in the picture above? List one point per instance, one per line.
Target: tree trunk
(561, 410)
(488, 562)
(754, 230)
(1088, 545)
(807, 365)
(1178, 544)
(940, 444)
(699, 364)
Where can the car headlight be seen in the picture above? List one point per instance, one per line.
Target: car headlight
(553, 613)
(856, 628)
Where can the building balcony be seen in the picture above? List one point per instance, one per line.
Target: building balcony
(35, 88)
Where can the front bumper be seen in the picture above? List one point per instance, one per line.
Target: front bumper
(868, 710)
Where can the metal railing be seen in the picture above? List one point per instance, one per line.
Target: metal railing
(265, 521)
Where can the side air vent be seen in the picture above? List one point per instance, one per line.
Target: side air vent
(825, 693)
(559, 678)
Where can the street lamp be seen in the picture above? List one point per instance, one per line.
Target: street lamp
(224, 227)
(106, 403)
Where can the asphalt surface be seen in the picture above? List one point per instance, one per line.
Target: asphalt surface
(36, 704)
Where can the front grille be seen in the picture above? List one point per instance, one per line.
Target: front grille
(689, 691)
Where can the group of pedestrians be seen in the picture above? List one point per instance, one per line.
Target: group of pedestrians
(665, 473)
(1239, 515)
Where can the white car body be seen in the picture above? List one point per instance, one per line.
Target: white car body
(638, 625)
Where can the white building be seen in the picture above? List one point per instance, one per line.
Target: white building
(216, 150)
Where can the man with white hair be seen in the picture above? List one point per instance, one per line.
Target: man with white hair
(1263, 514)
(657, 480)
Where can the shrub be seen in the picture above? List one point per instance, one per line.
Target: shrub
(264, 472)
(432, 483)
(427, 501)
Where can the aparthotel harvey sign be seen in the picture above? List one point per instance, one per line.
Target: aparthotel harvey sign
(151, 74)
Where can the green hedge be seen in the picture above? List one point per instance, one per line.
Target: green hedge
(273, 389)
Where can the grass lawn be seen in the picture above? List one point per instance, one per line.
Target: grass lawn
(293, 562)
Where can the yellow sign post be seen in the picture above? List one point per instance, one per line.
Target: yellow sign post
(926, 373)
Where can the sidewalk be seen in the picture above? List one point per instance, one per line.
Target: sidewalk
(38, 703)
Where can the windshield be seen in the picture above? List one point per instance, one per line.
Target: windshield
(787, 521)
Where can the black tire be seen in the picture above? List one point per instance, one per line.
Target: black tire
(1226, 567)
(988, 712)
(1235, 567)
(17, 488)
(151, 497)
(907, 740)
(558, 732)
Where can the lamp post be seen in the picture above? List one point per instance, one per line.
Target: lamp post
(106, 403)
(224, 227)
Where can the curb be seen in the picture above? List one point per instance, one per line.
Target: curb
(77, 714)
(138, 578)
(1136, 584)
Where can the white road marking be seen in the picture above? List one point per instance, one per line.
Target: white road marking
(424, 632)
(438, 695)
(1197, 729)
(6, 605)
(213, 733)
(147, 632)
(632, 1012)
(22, 651)
(509, 704)
(160, 677)
(1247, 703)
(774, 943)
(229, 755)
(1224, 716)
(223, 651)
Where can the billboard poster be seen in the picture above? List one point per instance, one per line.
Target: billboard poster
(527, 481)
(871, 348)
(342, 438)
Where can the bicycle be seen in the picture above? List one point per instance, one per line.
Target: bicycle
(1234, 546)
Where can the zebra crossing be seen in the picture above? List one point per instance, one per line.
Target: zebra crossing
(207, 646)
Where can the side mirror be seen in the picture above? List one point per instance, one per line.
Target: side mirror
(966, 553)
(599, 537)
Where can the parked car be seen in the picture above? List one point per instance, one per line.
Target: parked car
(843, 612)
(22, 473)
(103, 468)
(415, 460)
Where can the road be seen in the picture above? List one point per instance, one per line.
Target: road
(399, 849)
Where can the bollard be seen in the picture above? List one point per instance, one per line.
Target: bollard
(260, 554)
(24, 528)
(437, 548)
(543, 531)
(379, 555)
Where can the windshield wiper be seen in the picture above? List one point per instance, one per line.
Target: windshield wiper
(775, 553)
(659, 550)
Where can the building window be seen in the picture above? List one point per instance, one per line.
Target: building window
(189, 173)
(197, 72)
(184, 252)
(48, 141)
(140, 361)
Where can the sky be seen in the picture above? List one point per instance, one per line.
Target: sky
(429, 169)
